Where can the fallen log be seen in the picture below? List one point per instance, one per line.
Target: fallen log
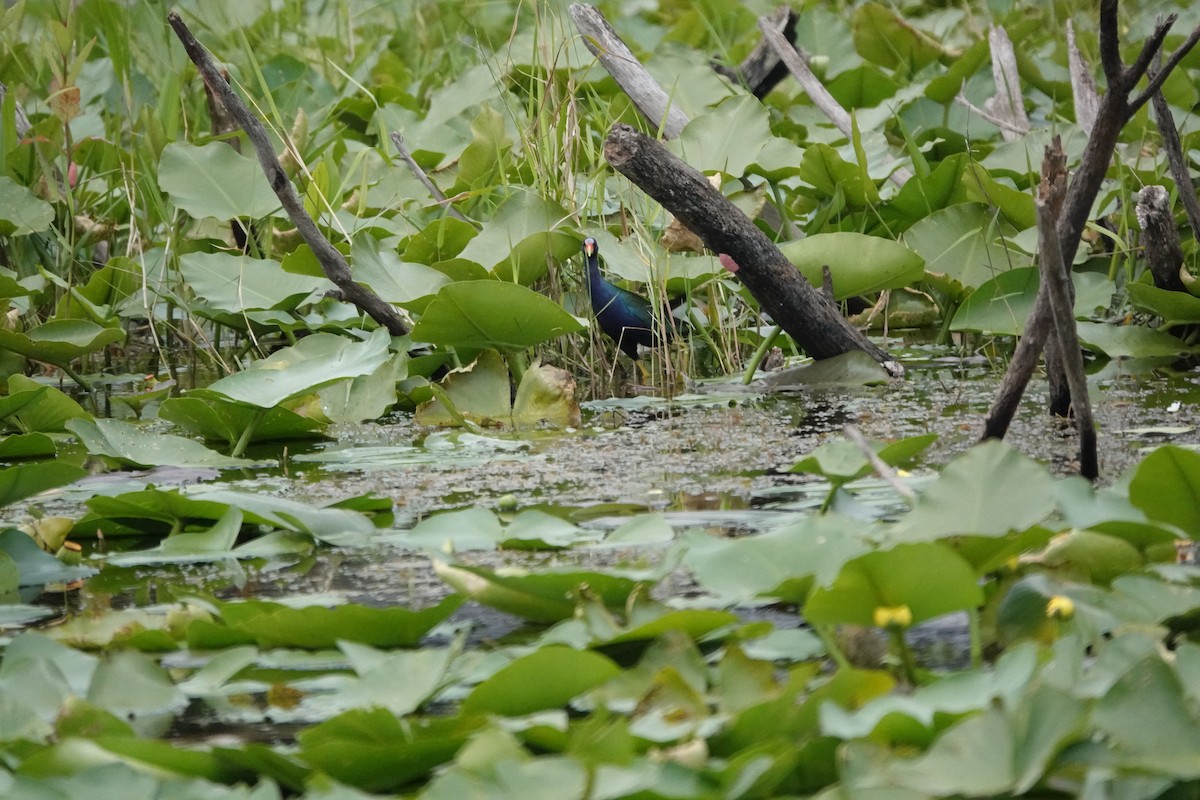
(811, 319)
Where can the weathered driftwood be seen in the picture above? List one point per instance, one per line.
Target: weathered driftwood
(1083, 85)
(1160, 238)
(1008, 104)
(762, 70)
(1176, 161)
(332, 262)
(648, 97)
(1056, 275)
(826, 103)
(1117, 107)
(783, 292)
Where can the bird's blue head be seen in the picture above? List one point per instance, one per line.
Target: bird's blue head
(590, 247)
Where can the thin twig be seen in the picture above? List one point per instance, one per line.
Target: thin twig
(424, 178)
(1175, 159)
(881, 467)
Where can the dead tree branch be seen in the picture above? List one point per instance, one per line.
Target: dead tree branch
(816, 91)
(1176, 161)
(648, 97)
(1116, 109)
(332, 262)
(1160, 239)
(762, 70)
(1057, 276)
(796, 306)
(420, 174)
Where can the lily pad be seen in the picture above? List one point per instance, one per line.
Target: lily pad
(482, 315)
(549, 677)
(238, 283)
(60, 342)
(312, 363)
(213, 180)
(219, 419)
(270, 624)
(132, 445)
(859, 264)
(928, 578)
(21, 211)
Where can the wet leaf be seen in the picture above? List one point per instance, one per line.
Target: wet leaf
(1130, 341)
(52, 409)
(60, 342)
(928, 578)
(34, 565)
(132, 445)
(546, 678)
(312, 363)
(315, 627)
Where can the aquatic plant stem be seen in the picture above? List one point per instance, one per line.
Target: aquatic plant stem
(976, 638)
(825, 634)
(243, 441)
(906, 657)
(760, 353)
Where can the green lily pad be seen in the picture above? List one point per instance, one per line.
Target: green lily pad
(1130, 341)
(927, 577)
(213, 180)
(312, 363)
(51, 411)
(859, 264)
(549, 677)
(219, 419)
(238, 283)
(270, 624)
(60, 342)
(26, 480)
(525, 231)
(132, 445)
(21, 211)
(1175, 308)
(964, 500)
(35, 566)
(482, 315)
(541, 597)
(374, 750)
(26, 445)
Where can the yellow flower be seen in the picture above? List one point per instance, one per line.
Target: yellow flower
(1060, 607)
(894, 618)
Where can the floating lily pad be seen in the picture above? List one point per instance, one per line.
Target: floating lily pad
(132, 445)
(35, 566)
(219, 419)
(312, 363)
(270, 624)
(238, 283)
(549, 677)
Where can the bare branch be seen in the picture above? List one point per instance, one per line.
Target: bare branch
(1057, 276)
(1083, 85)
(762, 70)
(1008, 103)
(1110, 44)
(1150, 49)
(1156, 80)
(424, 178)
(333, 263)
(820, 96)
(648, 97)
